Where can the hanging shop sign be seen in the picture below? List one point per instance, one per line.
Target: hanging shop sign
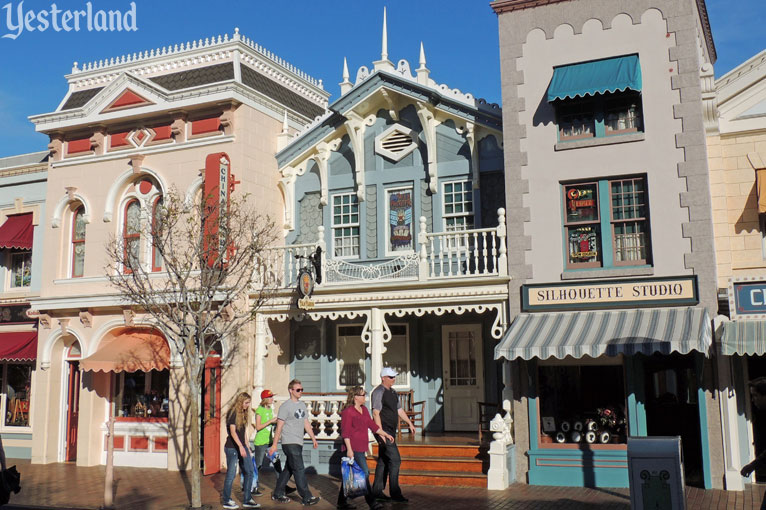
(649, 292)
(747, 298)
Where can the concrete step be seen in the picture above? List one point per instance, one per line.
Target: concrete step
(440, 464)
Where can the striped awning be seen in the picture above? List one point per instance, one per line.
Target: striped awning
(577, 334)
(744, 337)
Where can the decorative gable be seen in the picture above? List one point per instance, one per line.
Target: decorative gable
(128, 99)
(396, 142)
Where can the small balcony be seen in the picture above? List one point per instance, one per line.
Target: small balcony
(459, 254)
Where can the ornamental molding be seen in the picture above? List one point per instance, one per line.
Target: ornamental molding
(71, 196)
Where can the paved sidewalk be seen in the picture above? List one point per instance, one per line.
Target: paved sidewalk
(66, 486)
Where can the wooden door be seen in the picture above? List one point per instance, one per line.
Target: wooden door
(463, 373)
(73, 409)
(211, 416)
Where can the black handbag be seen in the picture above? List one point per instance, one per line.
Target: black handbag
(11, 483)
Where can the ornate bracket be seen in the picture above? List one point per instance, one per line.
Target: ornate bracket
(391, 104)
(429, 123)
(355, 128)
(471, 138)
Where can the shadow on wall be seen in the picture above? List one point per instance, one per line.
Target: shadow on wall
(748, 221)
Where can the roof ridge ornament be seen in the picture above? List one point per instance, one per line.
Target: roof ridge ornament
(345, 85)
(384, 64)
(422, 71)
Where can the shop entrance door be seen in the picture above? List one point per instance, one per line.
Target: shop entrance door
(672, 407)
(211, 416)
(73, 409)
(756, 367)
(463, 372)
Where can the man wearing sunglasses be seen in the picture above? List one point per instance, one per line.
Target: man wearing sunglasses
(386, 411)
(292, 422)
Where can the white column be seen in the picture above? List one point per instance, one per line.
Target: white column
(376, 344)
(263, 339)
(728, 405)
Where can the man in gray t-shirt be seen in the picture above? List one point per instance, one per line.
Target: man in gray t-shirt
(292, 421)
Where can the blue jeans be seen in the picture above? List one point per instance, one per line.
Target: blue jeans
(294, 467)
(233, 459)
(361, 460)
(254, 483)
(388, 465)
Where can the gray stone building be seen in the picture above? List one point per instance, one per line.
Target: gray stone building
(613, 275)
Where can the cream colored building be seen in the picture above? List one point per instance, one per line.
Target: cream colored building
(125, 133)
(736, 139)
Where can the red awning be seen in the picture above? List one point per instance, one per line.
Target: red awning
(130, 352)
(17, 232)
(18, 346)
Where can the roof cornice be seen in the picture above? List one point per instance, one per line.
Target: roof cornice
(503, 6)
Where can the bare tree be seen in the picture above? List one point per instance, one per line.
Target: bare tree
(208, 288)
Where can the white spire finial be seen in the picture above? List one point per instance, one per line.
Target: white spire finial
(345, 85)
(284, 122)
(384, 46)
(422, 71)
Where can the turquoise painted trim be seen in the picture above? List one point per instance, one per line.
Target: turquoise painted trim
(18, 452)
(574, 468)
(632, 406)
(704, 436)
(17, 436)
(605, 214)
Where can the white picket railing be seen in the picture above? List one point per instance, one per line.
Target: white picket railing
(477, 252)
(325, 412)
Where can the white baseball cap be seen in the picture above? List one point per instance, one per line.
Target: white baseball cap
(388, 372)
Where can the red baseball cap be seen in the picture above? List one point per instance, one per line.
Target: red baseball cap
(266, 394)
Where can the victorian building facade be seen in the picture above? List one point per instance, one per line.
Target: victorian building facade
(125, 133)
(612, 263)
(399, 187)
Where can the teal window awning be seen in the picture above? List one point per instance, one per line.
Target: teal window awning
(613, 332)
(595, 77)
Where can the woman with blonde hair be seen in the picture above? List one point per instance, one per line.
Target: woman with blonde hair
(355, 421)
(237, 453)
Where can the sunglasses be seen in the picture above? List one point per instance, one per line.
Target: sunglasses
(361, 395)
(298, 390)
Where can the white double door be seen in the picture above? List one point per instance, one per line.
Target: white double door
(463, 376)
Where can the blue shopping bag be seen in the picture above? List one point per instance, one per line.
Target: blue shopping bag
(354, 479)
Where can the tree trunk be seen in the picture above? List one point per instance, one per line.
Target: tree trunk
(194, 412)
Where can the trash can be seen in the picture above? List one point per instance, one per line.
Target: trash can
(656, 473)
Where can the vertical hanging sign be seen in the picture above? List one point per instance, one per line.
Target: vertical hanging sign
(218, 185)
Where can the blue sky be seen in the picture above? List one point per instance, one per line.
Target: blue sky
(460, 38)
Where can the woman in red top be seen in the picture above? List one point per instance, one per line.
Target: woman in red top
(355, 421)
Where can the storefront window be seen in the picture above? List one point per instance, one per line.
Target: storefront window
(351, 356)
(18, 380)
(141, 394)
(582, 404)
(397, 354)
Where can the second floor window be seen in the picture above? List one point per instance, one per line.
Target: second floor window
(78, 242)
(345, 225)
(458, 206)
(156, 229)
(131, 235)
(606, 223)
(21, 269)
(612, 114)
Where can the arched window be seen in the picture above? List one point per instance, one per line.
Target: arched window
(131, 235)
(156, 223)
(78, 242)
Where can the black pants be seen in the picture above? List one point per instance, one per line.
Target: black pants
(389, 462)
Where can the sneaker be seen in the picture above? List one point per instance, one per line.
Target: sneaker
(290, 490)
(230, 504)
(400, 499)
(251, 504)
(313, 500)
(382, 497)
(257, 493)
(280, 499)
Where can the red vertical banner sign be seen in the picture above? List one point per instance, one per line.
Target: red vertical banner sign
(218, 186)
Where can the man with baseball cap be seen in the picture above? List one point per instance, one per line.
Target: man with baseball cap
(386, 411)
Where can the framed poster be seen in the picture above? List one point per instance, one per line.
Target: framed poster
(400, 212)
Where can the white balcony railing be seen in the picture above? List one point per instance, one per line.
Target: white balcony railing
(456, 254)
(324, 410)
